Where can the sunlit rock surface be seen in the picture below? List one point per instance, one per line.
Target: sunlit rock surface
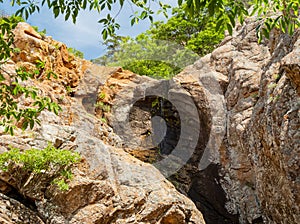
(225, 132)
(247, 97)
(109, 185)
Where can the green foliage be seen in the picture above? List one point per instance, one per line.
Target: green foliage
(280, 14)
(61, 184)
(103, 120)
(165, 49)
(40, 64)
(70, 9)
(101, 96)
(7, 24)
(196, 33)
(227, 12)
(75, 52)
(11, 92)
(69, 90)
(152, 68)
(147, 56)
(42, 161)
(35, 160)
(41, 32)
(103, 106)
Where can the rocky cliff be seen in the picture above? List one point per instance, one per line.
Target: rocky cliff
(225, 132)
(230, 126)
(108, 185)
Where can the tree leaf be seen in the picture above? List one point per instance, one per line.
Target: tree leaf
(84, 4)
(67, 15)
(291, 29)
(219, 23)
(232, 21)
(24, 125)
(1, 77)
(266, 33)
(229, 28)
(143, 15)
(104, 34)
(56, 11)
(31, 123)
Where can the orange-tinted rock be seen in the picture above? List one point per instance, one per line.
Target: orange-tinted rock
(110, 186)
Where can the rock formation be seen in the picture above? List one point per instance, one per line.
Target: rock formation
(246, 127)
(109, 185)
(225, 132)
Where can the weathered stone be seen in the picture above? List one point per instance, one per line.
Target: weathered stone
(225, 131)
(12, 211)
(254, 169)
(108, 186)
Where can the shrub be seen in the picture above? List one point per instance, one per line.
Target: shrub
(76, 52)
(42, 161)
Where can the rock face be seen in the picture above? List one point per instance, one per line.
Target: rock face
(225, 132)
(261, 158)
(243, 165)
(109, 185)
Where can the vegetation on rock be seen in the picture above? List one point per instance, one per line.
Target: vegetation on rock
(41, 161)
(12, 89)
(280, 14)
(76, 52)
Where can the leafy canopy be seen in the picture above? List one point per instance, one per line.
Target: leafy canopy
(166, 48)
(196, 33)
(283, 14)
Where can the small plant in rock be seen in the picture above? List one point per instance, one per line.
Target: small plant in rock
(69, 90)
(103, 120)
(101, 95)
(270, 100)
(76, 52)
(41, 32)
(103, 106)
(42, 161)
(16, 50)
(51, 73)
(57, 46)
(277, 77)
(272, 85)
(61, 183)
(40, 64)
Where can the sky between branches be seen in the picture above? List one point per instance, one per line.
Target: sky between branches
(85, 34)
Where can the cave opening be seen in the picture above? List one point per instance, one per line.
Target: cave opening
(163, 124)
(201, 186)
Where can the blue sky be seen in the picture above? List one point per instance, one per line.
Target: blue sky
(85, 35)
